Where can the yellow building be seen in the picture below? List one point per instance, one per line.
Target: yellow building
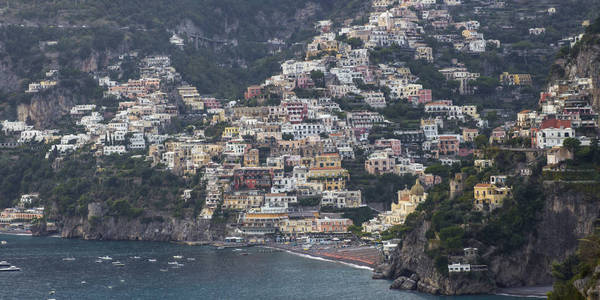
(251, 158)
(332, 179)
(469, 134)
(488, 195)
(297, 226)
(243, 200)
(470, 110)
(407, 203)
(328, 160)
(200, 158)
(516, 79)
(231, 132)
(327, 170)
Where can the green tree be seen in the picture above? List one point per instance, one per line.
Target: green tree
(572, 144)
(481, 141)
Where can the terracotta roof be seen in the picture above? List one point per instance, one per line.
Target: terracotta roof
(448, 138)
(554, 123)
(483, 185)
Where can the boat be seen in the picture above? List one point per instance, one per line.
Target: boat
(10, 269)
(3, 242)
(237, 249)
(118, 264)
(191, 259)
(220, 248)
(105, 257)
(4, 264)
(136, 257)
(164, 270)
(69, 259)
(177, 256)
(83, 282)
(172, 263)
(244, 253)
(152, 260)
(98, 261)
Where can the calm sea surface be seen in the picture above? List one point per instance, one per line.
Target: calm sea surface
(214, 274)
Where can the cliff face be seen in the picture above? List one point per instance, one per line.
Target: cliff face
(584, 62)
(99, 226)
(568, 215)
(47, 107)
(410, 260)
(112, 228)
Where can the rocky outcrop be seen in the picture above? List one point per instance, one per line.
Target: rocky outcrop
(589, 286)
(568, 215)
(100, 226)
(412, 268)
(583, 62)
(47, 107)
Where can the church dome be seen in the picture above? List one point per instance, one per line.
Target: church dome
(417, 189)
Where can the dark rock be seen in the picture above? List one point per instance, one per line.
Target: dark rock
(409, 284)
(397, 284)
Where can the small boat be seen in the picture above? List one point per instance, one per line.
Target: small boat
(172, 263)
(152, 260)
(191, 259)
(51, 292)
(10, 269)
(83, 282)
(220, 248)
(164, 270)
(69, 259)
(244, 253)
(3, 242)
(105, 257)
(136, 257)
(4, 264)
(177, 256)
(237, 249)
(98, 261)
(118, 264)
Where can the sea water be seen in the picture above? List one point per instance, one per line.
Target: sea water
(213, 274)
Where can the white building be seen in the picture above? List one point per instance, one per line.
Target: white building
(553, 132)
(119, 149)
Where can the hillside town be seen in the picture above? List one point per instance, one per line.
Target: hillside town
(278, 158)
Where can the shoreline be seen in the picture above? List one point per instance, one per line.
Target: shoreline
(16, 233)
(316, 256)
(538, 291)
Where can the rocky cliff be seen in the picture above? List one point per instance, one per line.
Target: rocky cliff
(569, 213)
(583, 61)
(100, 226)
(47, 107)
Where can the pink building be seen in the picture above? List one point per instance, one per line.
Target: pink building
(423, 96)
(304, 82)
(296, 111)
(394, 144)
(448, 145)
(253, 91)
